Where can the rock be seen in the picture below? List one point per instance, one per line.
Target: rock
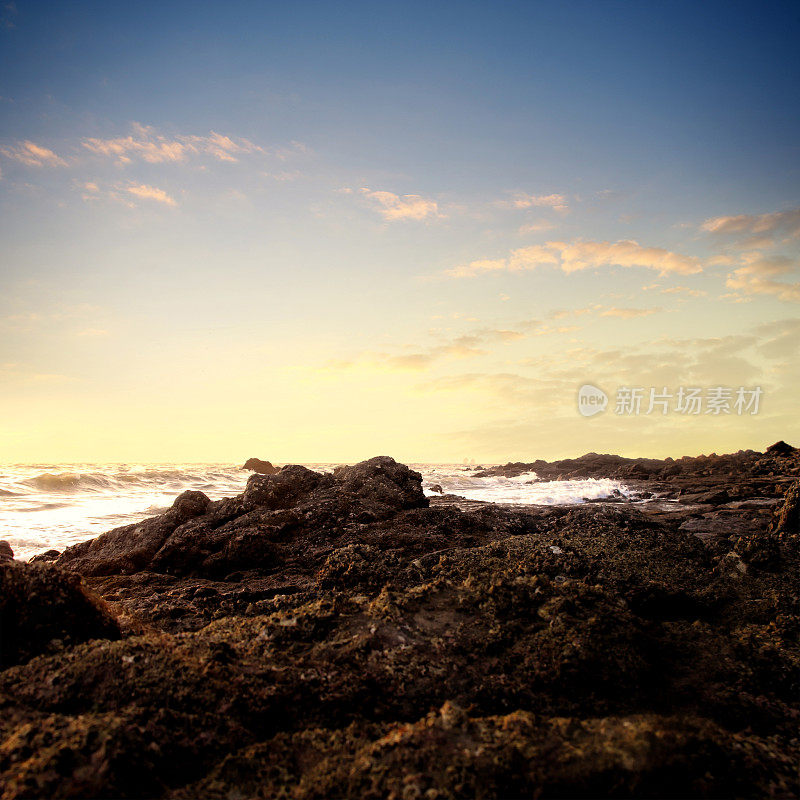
(41, 604)
(46, 557)
(259, 466)
(383, 480)
(6, 553)
(780, 449)
(788, 517)
(256, 530)
(132, 547)
(283, 489)
(436, 487)
(339, 636)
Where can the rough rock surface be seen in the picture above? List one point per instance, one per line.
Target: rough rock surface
(43, 608)
(336, 636)
(262, 467)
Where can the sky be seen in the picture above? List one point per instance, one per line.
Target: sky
(318, 232)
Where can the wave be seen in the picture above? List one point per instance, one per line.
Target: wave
(103, 481)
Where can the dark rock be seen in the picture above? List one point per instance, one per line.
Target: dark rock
(262, 467)
(46, 557)
(436, 487)
(132, 547)
(383, 480)
(6, 553)
(780, 449)
(295, 641)
(788, 518)
(40, 604)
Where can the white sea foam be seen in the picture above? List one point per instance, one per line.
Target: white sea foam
(52, 506)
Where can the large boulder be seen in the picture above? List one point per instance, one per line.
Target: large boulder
(384, 480)
(42, 606)
(284, 489)
(132, 547)
(262, 467)
(258, 529)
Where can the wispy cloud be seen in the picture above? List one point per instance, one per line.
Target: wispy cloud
(628, 313)
(400, 207)
(125, 192)
(581, 255)
(33, 155)
(558, 202)
(146, 192)
(785, 222)
(758, 274)
(146, 144)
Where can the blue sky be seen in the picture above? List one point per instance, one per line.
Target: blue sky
(392, 227)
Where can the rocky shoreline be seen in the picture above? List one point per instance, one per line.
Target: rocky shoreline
(344, 636)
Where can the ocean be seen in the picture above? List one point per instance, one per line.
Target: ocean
(53, 506)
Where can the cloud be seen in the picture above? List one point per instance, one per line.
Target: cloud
(777, 222)
(33, 155)
(580, 255)
(558, 202)
(683, 290)
(537, 227)
(146, 144)
(626, 253)
(146, 192)
(757, 276)
(122, 192)
(395, 207)
(629, 313)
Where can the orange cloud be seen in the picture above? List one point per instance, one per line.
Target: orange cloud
(148, 145)
(408, 206)
(146, 192)
(33, 155)
(580, 255)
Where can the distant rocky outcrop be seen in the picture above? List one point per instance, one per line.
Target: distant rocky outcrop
(779, 458)
(259, 466)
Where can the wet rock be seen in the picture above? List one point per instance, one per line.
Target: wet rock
(41, 605)
(436, 487)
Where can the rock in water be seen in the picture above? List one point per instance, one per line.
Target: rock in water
(39, 603)
(262, 467)
(6, 553)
